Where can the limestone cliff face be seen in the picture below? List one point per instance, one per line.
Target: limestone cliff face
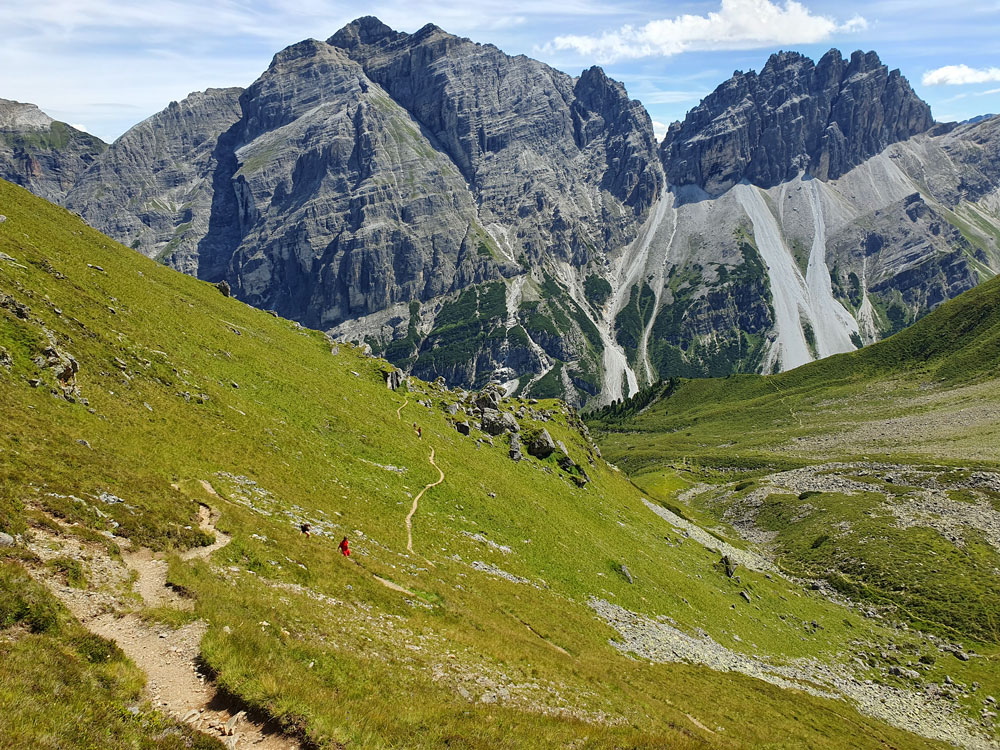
(153, 189)
(559, 166)
(41, 154)
(344, 206)
(794, 115)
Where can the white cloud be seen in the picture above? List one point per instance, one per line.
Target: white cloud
(738, 24)
(659, 130)
(957, 75)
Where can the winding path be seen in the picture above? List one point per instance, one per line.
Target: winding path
(416, 502)
(399, 414)
(171, 658)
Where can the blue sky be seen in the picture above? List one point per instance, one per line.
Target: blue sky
(107, 64)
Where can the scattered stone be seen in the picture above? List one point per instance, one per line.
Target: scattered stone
(6, 540)
(746, 596)
(960, 655)
(2, 218)
(451, 409)
(515, 448)
(463, 427)
(96, 268)
(223, 286)
(541, 445)
(626, 574)
(728, 565)
(84, 443)
(230, 729)
(6, 361)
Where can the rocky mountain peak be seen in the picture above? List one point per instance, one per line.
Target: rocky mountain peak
(21, 116)
(794, 115)
(364, 31)
(42, 154)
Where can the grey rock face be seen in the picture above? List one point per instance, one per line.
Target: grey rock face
(394, 378)
(41, 154)
(794, 115)
(154, 188)
(551, 158)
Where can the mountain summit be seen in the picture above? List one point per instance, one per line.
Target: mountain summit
(795, 115)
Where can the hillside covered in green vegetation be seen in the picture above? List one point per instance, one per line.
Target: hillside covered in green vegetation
(148, 422)
(873, 473)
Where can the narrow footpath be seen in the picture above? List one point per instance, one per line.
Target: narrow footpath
(170, 658)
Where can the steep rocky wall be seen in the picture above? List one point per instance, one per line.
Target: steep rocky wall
(794, 115)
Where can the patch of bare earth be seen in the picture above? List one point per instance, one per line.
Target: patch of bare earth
(170, 658)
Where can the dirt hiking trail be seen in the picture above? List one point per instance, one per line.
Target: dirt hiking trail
(170, 658)
(416, 502)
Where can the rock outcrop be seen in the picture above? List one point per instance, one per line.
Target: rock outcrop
(794, 115)
(41, 154)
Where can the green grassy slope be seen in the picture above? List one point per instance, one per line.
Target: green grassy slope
(495, 647)
(913, 417)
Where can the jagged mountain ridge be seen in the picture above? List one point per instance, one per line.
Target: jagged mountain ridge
(795, 115)
(462, 211)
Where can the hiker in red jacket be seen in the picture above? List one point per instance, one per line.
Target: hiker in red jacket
(344, 549)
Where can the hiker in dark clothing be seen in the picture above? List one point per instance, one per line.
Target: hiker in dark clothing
(344, 549)
(420, 433)
(305, 529)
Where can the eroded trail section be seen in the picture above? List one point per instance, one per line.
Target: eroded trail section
(170, 658)
(416, 503)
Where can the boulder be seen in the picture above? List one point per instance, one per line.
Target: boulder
(491, 422)
(463, 427)
(6, 540)
(223, 286)
(393, 378)
(488, 398)
(515, 448)
(728, 565)
(498, 423)
(541, 445)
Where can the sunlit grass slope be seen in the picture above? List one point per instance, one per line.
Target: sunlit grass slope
(494, 645)
(927, 398)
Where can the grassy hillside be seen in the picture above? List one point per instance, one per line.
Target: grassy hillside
(492, 637)
(908, 516)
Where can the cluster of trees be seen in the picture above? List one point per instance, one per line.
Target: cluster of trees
(621, 409)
